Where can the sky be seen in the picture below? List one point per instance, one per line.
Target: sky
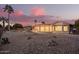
(65, 11)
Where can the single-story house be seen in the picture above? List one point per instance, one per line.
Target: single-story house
(58, 26)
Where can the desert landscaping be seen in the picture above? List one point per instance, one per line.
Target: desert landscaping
(23, 42)
(32, 31)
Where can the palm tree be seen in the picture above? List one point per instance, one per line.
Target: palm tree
(9, 10)
(35, 21)
(3, 19)
(43, 22)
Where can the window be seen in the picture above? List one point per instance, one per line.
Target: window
(65, 28)
(42, 29)
(58, 28)
(47, 28)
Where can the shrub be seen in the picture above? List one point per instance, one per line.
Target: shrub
(16, 26)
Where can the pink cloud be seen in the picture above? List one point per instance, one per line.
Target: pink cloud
(18, 13)
(37, 11)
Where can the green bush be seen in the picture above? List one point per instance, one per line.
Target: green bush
(16, 26)
(77, 24)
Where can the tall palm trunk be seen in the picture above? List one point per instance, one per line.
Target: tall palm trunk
(8, 22)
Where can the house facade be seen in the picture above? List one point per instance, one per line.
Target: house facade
(58, 26)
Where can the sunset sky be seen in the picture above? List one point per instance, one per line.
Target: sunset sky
(64, 11)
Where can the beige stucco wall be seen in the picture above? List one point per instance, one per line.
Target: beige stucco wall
(50, 28)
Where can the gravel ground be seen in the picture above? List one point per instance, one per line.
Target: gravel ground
(40, 43)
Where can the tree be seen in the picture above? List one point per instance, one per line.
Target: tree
(3, 19)
(16, 26)
(6, 28)
(77, 24)
(43, 22)
(35, 21)
(9, 10)
(0, 26)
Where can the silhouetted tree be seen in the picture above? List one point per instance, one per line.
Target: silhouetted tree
(6, 28)
(43, 22)
(16, 26)
(3, 19)
(0, 26)
(77, 24)
(71, 28)
(35, 21)
(9, 10)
